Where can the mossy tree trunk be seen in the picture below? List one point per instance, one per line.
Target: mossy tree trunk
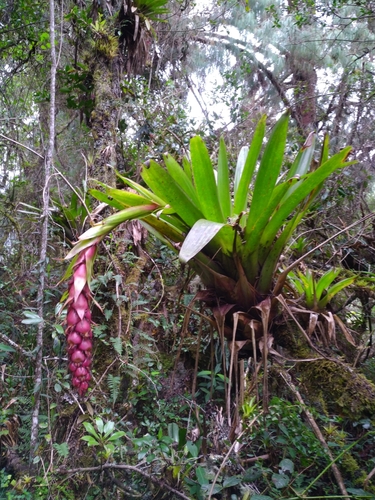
(104, 118)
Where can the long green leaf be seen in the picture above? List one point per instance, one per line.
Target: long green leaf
(199, 236)
(223, 181)
(251, 246)
(163, 185)
(244, 172)
(325, 281)
(204, 180)
(107, 225)
(127, 198)
(302, 163)
(103, 197)
(180, 176)
(142, 190)
(270, 255)
(334, 290)
(311, 181)
(268, 173)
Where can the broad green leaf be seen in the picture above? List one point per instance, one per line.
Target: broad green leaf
(231, 481)
(241, 160)
(192, 449)
(223, 181)
(90, 428)
(325, 150)
(32, 318)
(127, 198)
(271, 255)
(187, 168)
(268, 172)
(100, 425)
(164, 231)
(108, 428)
(116, 435)
(250, 248)
(160, 181)
(180, 177)
(174, 432)
(201, 476)
(198, 237)
(280, 480)
(286, 465)
(311, 181)
(90, 440)
(245, 172)
(204, 180)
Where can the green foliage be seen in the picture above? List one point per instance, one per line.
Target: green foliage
(318, 293)
(103, 435)
(176, 204)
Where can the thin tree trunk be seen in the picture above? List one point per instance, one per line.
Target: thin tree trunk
(44, 240)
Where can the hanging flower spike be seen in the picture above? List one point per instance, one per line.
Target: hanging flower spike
(78, 321)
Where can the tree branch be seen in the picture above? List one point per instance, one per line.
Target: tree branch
(48, 161)
(22, 145)
(160, 482)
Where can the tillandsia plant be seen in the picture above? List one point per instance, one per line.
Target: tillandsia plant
(233, 238)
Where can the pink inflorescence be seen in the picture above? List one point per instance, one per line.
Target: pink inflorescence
(78, 330)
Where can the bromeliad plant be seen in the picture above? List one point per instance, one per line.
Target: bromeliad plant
(318, 293)
(231, 233)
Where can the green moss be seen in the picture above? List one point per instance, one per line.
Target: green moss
(349, 464)
(339, 386)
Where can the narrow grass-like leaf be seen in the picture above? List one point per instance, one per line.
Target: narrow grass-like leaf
(334, 290)
(204, 180)
(245, 172)
(240, 165)
(268, 173)
(199, 236)
(104, 198)
(161, 183)
(142, 190)
(325, 281)
(223, 181)
(108, 224)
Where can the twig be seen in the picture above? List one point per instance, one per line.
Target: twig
(22, 145)
(317, 432)
(281, 279)
(16, 346)
(369, 477)
(160, 482)
(255, 459)
(225, 460)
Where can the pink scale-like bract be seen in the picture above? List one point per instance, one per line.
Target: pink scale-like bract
(78, 322)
